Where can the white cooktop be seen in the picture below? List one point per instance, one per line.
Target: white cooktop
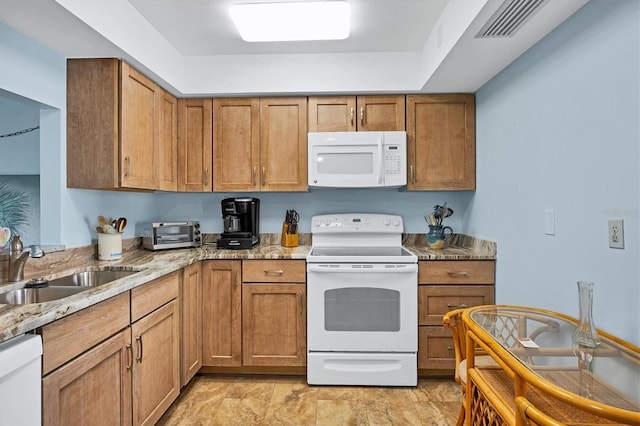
(358, 238)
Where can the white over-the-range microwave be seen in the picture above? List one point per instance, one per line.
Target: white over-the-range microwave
(357, 159)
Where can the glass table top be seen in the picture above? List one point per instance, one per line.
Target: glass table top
(542, 341)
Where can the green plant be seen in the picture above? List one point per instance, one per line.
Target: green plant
(13, 208)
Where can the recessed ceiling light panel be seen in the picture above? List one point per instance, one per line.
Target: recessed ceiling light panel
(292, 21)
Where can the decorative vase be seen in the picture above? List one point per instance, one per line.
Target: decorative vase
(586, 334)
(438, 236)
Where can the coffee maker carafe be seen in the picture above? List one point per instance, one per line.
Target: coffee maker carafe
(240, 218)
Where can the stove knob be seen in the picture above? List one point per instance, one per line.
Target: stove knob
(396, 222)
(326, 222)
(386, 222)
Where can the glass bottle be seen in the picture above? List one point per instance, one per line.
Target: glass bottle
(585, 333)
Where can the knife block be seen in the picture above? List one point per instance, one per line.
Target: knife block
(288, 240)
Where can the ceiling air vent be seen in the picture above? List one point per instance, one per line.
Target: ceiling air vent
(510, 17)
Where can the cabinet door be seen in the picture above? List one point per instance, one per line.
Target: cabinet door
(332, 113)
(195, 139)
(273, 325)
(139, 125)
(191, 320)
(283, 144)
(156, 367)
(435, 349)
(236, 146)
(436, 300)
(92, 123)
(376, 113)
(168, 143)
(221, 317)
(92, 389)
(441, 142)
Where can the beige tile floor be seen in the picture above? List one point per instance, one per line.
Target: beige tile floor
(216, 400)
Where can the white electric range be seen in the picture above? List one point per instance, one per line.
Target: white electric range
(362, 309)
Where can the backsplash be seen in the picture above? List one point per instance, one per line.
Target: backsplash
(80, 256)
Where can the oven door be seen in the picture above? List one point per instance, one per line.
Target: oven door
(362, 307)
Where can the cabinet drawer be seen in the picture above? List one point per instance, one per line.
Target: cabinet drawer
(435, 348)
(436, 300)
(70, 336)
(150, 296)
(456, 272)
(274, 271)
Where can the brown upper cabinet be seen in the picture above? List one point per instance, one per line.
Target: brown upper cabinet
(195, 145)
(260, 144)
(115, 116)
(441, 142)
(168, 143)
(351, 113)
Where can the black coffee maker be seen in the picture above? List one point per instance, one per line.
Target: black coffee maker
(240, 217)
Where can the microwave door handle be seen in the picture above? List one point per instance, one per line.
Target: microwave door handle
(381, 154)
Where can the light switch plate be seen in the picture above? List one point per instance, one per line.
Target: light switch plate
(616, 233)
(550, 222)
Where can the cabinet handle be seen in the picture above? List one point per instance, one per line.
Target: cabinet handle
(352, 115)
(456, 306)
(206, 177)
(458, 274)
(129, 356)
(300, 304)
(264, 175)
(255, 173)
(127, 166)
(362, 116)
(449, 348)
(139, 345)
(412, 174)
(275, 271)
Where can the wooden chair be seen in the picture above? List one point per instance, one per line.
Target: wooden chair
(528, 415)
(453, 321)
(509, 327)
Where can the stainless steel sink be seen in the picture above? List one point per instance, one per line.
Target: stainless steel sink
(90, 278)
(23, 296)
(42, 290)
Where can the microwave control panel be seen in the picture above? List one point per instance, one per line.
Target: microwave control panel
(392, 160)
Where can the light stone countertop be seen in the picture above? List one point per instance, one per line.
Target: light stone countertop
(19, 319)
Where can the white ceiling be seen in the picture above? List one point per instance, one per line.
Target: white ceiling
(192, 49)
(203, 27)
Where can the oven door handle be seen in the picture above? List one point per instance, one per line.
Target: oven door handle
(362, 268)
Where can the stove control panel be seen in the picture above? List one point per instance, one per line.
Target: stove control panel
(354, 222)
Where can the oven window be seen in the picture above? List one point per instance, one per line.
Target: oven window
(362, 309)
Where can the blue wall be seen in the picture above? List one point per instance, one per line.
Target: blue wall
(559, 129)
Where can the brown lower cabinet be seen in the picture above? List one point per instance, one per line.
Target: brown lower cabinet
(130, 377)
(222, 313)
(254, 314)
(191, 321)
(274, 319)
(445, 285)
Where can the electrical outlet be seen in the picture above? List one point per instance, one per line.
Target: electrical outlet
(616, 233)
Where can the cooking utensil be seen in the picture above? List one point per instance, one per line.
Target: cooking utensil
(101, 220)
(120, 224)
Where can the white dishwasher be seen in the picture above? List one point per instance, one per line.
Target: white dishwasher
(20, 381)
